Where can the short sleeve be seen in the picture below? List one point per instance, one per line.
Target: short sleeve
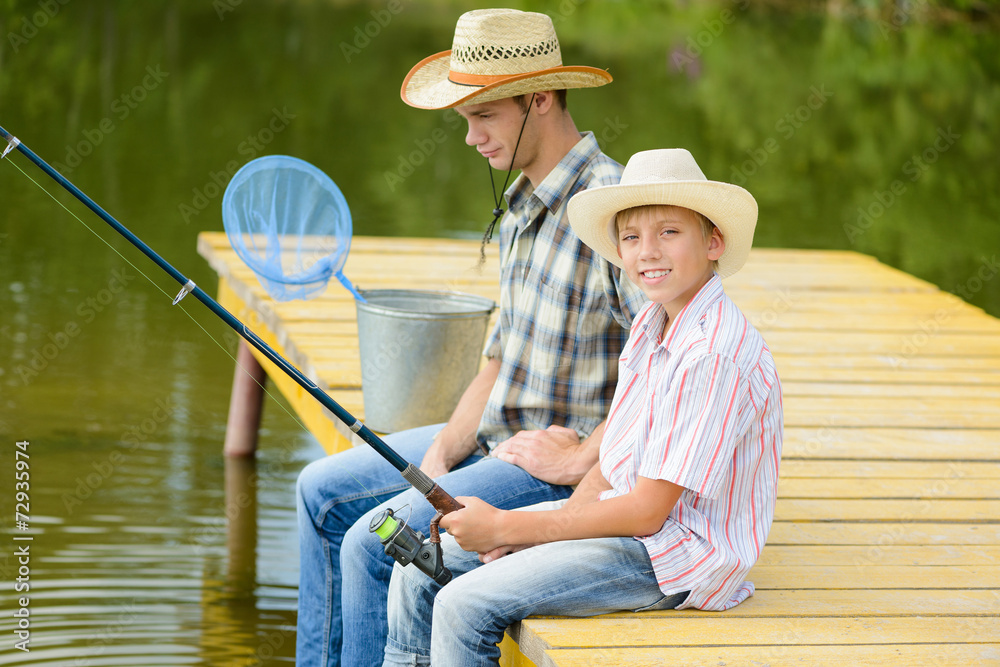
(696, 425)
(492, 349)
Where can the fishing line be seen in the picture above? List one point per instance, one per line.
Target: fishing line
(186, 312)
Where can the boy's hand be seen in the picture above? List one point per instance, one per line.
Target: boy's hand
(549, 455)
(476, 527)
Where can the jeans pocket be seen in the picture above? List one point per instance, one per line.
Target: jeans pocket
(666, 602)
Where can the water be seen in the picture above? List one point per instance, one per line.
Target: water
(852, 133)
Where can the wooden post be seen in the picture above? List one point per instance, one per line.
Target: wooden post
(245, 404)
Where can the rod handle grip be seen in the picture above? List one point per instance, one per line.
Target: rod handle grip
(442, 501)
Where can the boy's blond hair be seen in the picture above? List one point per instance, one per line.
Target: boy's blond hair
(622, 218)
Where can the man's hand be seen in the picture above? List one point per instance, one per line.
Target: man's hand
(445, 452)
(553, 455)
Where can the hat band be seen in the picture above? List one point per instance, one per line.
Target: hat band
(466, 79)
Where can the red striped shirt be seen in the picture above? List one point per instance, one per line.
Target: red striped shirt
(701, 409)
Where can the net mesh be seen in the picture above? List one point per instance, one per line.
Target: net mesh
(289, 222)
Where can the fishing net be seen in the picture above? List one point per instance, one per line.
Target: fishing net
(291, 225)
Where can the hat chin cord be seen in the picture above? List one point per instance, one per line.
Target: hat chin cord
(497, 211)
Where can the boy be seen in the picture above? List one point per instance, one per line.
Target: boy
(677, 510)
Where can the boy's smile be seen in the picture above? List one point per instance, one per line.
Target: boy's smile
(665, 252)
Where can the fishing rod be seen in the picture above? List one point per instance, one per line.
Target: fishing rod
(400, 541)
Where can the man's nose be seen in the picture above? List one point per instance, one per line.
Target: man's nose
(474, 136)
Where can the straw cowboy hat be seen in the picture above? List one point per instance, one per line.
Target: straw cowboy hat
(668, 176)
(496, 53)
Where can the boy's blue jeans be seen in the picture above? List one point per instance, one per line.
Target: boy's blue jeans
(344, 572)
(462, 623)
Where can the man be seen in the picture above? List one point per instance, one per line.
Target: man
(539, 403)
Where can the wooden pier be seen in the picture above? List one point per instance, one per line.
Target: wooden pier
(885, 548)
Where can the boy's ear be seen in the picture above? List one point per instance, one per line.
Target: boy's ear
(716, 245)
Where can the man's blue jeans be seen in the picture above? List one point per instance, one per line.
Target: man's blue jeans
(344, 572)
(462, 623)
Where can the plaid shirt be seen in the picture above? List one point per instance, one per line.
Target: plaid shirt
(564, 311)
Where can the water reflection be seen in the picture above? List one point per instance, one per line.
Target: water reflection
(165, 555)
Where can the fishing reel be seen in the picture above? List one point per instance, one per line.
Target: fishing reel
(406, 545)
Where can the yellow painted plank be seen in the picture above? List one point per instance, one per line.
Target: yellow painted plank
(891, 390)
(819, 359)
(789, 604)
(766, 317)
(853, 468)
(828, 438)
(510, 654)
(868, 278)
(883, 534)
(859, 376)
(879, 554)
(884, 655)
(793, 298)
(854, 413)
(871, 488)
(874, 575)
(641, 630)
(901, 347)
(939, 509)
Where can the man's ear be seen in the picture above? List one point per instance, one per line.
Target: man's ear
(716, 245)
(544, 101)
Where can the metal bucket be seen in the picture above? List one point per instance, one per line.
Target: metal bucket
(419, 351)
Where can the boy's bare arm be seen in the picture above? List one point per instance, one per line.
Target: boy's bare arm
(643, 511)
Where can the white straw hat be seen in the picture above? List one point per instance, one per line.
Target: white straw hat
(672, 177)
(496, 53)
